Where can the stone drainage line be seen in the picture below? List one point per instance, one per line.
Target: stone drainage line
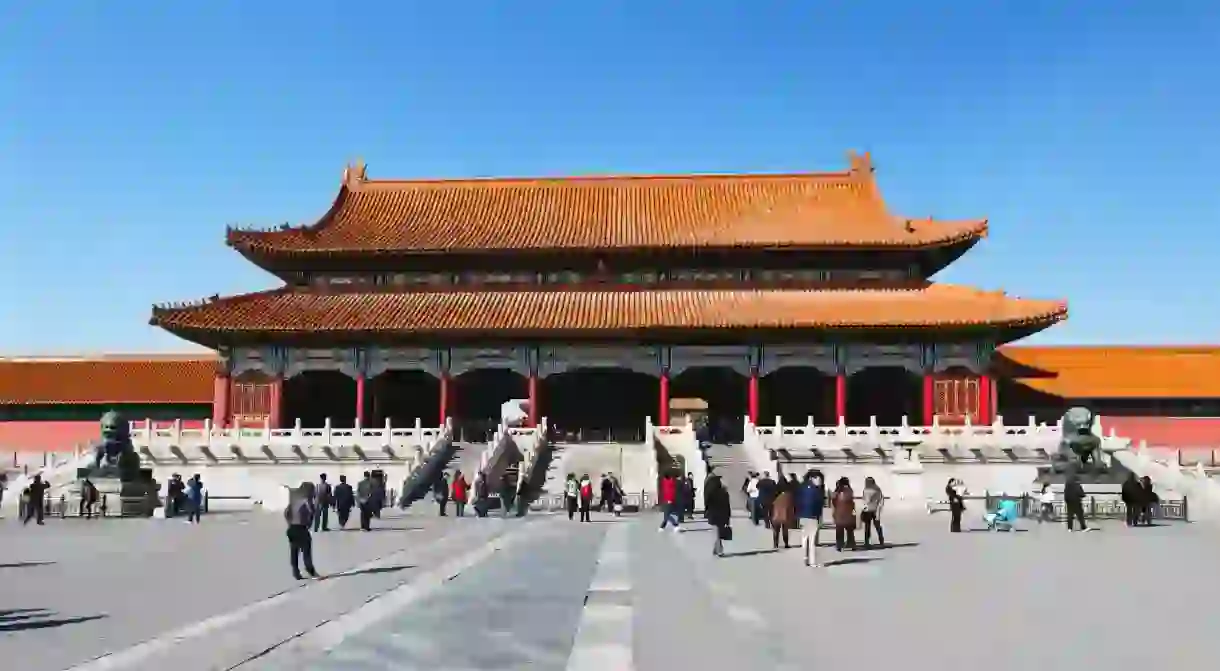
(325, 636)
(134, 654)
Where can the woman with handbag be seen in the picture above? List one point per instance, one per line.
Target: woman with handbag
(719, 512)
(783, 513)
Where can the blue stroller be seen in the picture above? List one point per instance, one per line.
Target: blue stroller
(1004, 518)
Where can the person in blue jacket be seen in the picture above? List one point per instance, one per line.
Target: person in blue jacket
(810, 502)
(194, 499)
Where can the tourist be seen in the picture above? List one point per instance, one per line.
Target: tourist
(481, 494)
(616, 496)
(1003, 518)
(783, 513)
(345, 500)
(766, 497)
(688, 496)
(607, 493)
(326, 499)
(1133, 499)
(810, 501)
(440, 492)
(364, 500)
(35, 495)
(718, 511)
(88, 498)
(460, 491)
(1046, 503)
(843, 512)
(750, 489)
(1073, 502)
(3, 487)
(1150, 500)
(300, 515)
(173, 495)
(586, 497)
(874, 501)
(957, 505)
(508, 494)
(669, 502)
(523, 491)
(193, 496)
(571, 495)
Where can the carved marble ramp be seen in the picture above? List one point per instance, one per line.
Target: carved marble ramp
(732, 465)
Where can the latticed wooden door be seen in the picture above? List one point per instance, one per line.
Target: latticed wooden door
(250, 402)
(955, 399)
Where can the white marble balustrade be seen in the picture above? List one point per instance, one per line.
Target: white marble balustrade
(254, 444)
(1032, 442)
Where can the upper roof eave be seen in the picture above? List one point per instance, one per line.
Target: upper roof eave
(826, 211)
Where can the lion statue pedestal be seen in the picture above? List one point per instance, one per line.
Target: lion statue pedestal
(128, 488)
(1080, 454)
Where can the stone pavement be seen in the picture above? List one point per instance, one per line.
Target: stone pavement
(545, 593)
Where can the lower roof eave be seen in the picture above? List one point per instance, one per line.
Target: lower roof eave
(997, 334)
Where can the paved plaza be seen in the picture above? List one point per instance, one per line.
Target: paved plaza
(545, 593)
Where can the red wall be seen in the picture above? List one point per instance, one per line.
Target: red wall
(1176, 432)
(58, 436)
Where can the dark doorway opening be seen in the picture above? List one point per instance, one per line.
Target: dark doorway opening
(599, 404)
(477, 398)
(887, 393)
(402, 396)
(316, 395)
(726, 393)
(796, 393)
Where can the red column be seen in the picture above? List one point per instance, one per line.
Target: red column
(533, 400)
(752, 398)
(220, 400)
(276, 409)
(995, 397)
(841, 397)
(929, 399)
(360, 400)
(444, 397)
(984, 414)
(663, 416)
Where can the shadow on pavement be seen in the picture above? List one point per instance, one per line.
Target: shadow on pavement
(985, 530)
(371, 571)
(24, 564)
(378, 528)
(22, 619)
(751, 553)
(851, 560)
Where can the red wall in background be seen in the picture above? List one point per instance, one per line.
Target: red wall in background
(1176, 432)
(58, 436)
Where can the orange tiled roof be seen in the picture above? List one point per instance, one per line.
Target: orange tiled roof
(1122, 372)
(800, 210)
(107, 379)
(301, 311)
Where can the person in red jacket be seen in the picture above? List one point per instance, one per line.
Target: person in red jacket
(460, 490)
(669, 502)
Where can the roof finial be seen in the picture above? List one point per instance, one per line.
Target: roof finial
(355, 172)
(861, 164)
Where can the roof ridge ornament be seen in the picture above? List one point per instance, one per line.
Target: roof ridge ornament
(355, 173)
(861, 164)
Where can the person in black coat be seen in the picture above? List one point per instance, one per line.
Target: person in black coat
(1148, 501)
(956, 506)
(1133, 499)
(345, 500)
(718, 511)
(1073, 502)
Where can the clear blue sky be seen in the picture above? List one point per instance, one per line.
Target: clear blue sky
(131, 133)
